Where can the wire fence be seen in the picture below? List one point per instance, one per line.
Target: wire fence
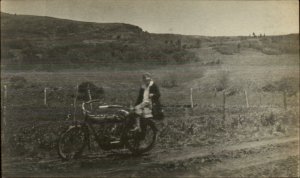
(64, 96)
(57, 104)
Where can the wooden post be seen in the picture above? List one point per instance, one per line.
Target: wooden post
(260, 97)
(284, 100)
(3, 127)
(75, 100)
(298, 97)
(45, 96)
(4, 105)
(215, 92)
(224, 107)
(191, 97)
(246, 96)
(130, 101)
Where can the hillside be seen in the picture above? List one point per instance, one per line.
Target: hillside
(45, 40)
(36, 42)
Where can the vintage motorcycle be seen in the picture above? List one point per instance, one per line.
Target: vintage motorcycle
(110, 129)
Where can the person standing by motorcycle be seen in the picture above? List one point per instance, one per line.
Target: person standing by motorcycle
(147, 101)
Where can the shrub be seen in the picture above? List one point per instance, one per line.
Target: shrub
(227, 49)
(17, 82)
(223, 79)
(169, 83)
(269, 88)
(270, 51)
(289, 84)
(268, 120)
(95, 91)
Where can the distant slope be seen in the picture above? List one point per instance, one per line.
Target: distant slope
(48, 26)
(34, 40)
(45, 40)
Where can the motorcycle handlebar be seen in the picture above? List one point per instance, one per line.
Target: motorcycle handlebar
(100, 107)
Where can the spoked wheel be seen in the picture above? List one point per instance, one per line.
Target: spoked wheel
(72, 143)
(139, 142)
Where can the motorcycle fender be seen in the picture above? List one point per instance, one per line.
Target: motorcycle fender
(80, 125)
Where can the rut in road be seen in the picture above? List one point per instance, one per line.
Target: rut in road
(162, 161)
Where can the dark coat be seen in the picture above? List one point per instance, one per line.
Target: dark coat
(155, 98)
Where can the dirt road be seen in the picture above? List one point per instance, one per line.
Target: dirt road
(276, 157)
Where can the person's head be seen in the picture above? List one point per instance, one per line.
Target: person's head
(146, 78)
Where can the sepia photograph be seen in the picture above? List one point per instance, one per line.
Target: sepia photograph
(150, 88)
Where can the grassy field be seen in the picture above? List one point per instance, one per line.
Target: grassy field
(34, 127)
(248, 70)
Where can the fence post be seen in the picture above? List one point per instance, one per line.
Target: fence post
(3, 127)
(75, 100)
(192, 102)
(45, 96)
(298, 98)
(246, 96)
(224, 107)
(260, 97)
(215, 92)
(272, 99)
(4, 105)
(284, 100)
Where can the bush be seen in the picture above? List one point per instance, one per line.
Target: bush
(227, 49)
(169, 81)
(268, 120)
(17, 82)
(290, 84)
(223, 79)
(270, 51)
(96, 92)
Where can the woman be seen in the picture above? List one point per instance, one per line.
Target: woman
(147, 101)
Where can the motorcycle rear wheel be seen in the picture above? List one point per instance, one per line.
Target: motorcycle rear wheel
(139, 142)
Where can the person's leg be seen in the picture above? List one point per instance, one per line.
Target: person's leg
(147, 112)
(138, 109)
(139, 112)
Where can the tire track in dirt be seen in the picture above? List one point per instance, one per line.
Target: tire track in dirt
(198, 161)
(196, 152)
(230, 157)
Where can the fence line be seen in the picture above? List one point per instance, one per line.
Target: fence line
(192, 98)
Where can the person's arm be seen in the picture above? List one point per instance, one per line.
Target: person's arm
(140, 97)
(155, 94)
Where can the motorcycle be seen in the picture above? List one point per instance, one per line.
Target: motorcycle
(109, 130)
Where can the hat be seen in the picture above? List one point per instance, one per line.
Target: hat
(147, 76)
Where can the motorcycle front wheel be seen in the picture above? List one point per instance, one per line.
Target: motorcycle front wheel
(72, 143)
(139, 142)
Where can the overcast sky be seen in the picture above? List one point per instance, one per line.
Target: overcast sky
(211, 18)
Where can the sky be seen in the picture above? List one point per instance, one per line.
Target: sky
(189, 17)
